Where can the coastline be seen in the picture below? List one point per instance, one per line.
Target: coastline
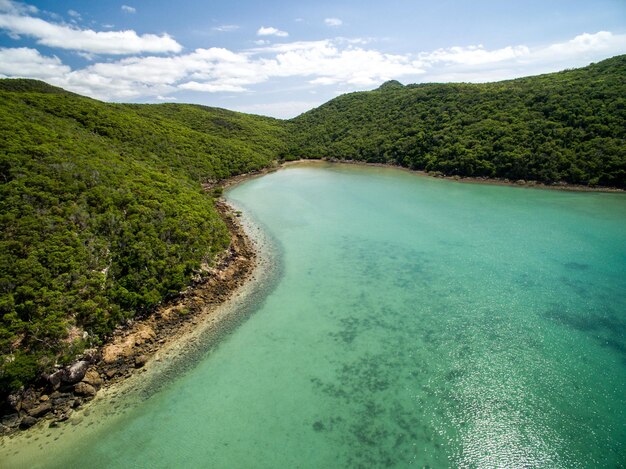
(45, 445)
(561, 186)
(142, 343)
(152, 345)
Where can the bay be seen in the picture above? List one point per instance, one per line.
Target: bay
(408, 321)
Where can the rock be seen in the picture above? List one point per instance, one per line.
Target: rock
(93, 377)
(26, 405)
(11, 420)
(44, 398)
(113, 352)
(28, 422)
(59, 399)
(123, 347)
(520, 182)
(84, 389)
(76, 372)
(55, 378)
(40, 410)
(111, 373)
(70, 375)
(144, 334)
(57, 403)
(64, 416)
(140, 361)
(15, 401)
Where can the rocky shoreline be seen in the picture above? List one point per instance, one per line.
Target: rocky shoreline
(560, 185)
(56, 396)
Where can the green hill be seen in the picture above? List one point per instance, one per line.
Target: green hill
(568, 126)
(102, 212)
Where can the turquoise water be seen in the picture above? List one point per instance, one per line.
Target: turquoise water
(411, 321)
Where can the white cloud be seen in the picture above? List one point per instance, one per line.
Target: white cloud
(212, 87)
(17, 8)
(269, 31)
(474, 55)
(129, 9)
(333, 22)
(326, 63)
(225, 28)
(340, 63)
(87, 40)
(74, 14)
(585, 44)
(165, 98)
(478, 64)
(86, 56)
(29, 63)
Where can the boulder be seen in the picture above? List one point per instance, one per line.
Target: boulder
(59, 398)
(76, 372)
(92, 377)
(140, 361)
(144, 334)
(15, 401)
(84, 389)
(27, 404)
(40, 410)
(11, 420)
(55, 378)
(28, 422)
(64, 416)
(124, 347)
(70, 375)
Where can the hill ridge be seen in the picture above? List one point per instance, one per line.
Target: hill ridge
(103, 216)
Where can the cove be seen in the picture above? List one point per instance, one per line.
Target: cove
(408, 321)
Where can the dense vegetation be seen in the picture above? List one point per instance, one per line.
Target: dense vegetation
(103, 216)
(568, 126)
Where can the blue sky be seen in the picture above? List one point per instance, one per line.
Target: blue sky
(281, 58)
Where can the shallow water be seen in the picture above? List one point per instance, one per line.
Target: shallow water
(413, 321)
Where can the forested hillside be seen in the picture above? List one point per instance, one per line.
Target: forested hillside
(102, 214)
(568, 126)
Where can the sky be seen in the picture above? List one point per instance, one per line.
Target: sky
(282, 58)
